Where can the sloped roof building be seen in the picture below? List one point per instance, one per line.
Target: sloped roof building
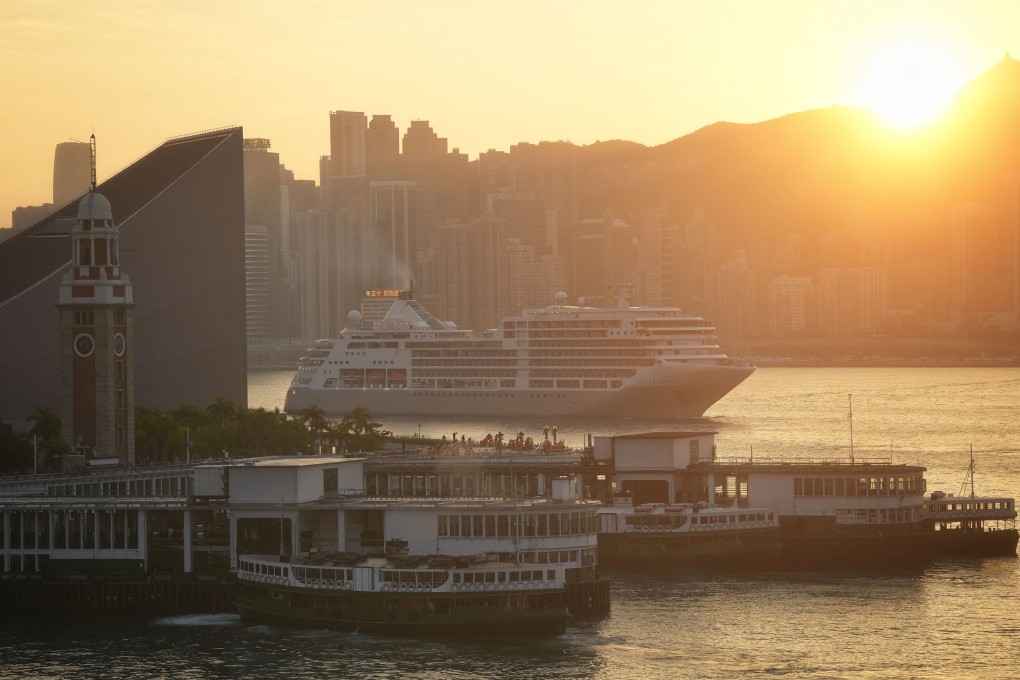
(181, 214)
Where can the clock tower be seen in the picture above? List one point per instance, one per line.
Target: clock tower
(96, 306)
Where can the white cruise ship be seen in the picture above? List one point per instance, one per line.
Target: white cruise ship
(569, 360)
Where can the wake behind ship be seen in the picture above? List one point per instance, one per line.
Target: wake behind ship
(572, 360)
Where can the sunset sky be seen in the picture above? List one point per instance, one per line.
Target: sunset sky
(486, 74)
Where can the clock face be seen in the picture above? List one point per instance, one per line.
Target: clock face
(84, 345)
(119, 344)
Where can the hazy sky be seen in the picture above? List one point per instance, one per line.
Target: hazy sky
(487, 74)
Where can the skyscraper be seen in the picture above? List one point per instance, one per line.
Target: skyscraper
(392, 242)
(347, 133)
(72, 171)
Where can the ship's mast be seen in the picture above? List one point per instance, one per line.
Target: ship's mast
(851, 418)
(970, 473)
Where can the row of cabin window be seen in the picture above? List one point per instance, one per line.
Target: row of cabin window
(858, 486)
(505, 526)
(883, 516)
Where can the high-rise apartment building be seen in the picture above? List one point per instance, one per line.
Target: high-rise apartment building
(382, 149)
(792, 306)
(423, 156)
(605, 254)
(347, 135)
(72, 171)
(852, 301)
(737, 300)
(256, 280)
(1012, 183)
(981, 257)
(391, 242)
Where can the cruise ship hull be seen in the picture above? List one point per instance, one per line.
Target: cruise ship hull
(670, 392)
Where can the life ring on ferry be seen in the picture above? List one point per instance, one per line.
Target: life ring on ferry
(455, 587)
(427, 587)
(385, 587)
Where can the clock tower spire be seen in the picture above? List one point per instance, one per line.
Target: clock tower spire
(96, 307)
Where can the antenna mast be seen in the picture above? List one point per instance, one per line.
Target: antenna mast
(92, 143)
(851, 417)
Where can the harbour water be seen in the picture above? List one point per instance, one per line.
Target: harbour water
(956, 618)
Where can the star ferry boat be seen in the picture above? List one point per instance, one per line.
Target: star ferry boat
(591, 361)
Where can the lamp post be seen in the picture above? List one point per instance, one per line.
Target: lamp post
(35, 452)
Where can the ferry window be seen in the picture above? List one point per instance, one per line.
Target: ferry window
(819, 487)
(478, 525)
(442, 525)
(455, 525)
(828, 487)
(694, 450)
(798, 486)
(490, 525)
(554, 524)
(543, 525)
(840, 486)
(503, 525)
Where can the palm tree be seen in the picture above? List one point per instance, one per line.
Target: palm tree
(47, 424)
(362, 423)
(258, 426)
(222, 409)
(338, 433)
(315, 420)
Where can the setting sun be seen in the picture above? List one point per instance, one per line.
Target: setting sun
(910, 84)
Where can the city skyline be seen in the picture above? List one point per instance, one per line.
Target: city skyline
(658, 72)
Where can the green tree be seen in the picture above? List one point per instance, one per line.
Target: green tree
(15, 451)
(160, 438)
(258, 425)
(367, 434)
(46, 427)
(315, 420)
(222, 410)
(338, 434)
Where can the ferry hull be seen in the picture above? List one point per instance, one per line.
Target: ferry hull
(976, 543)
(753, 547)
(689, 394)
(430, 614)
(817, 545)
